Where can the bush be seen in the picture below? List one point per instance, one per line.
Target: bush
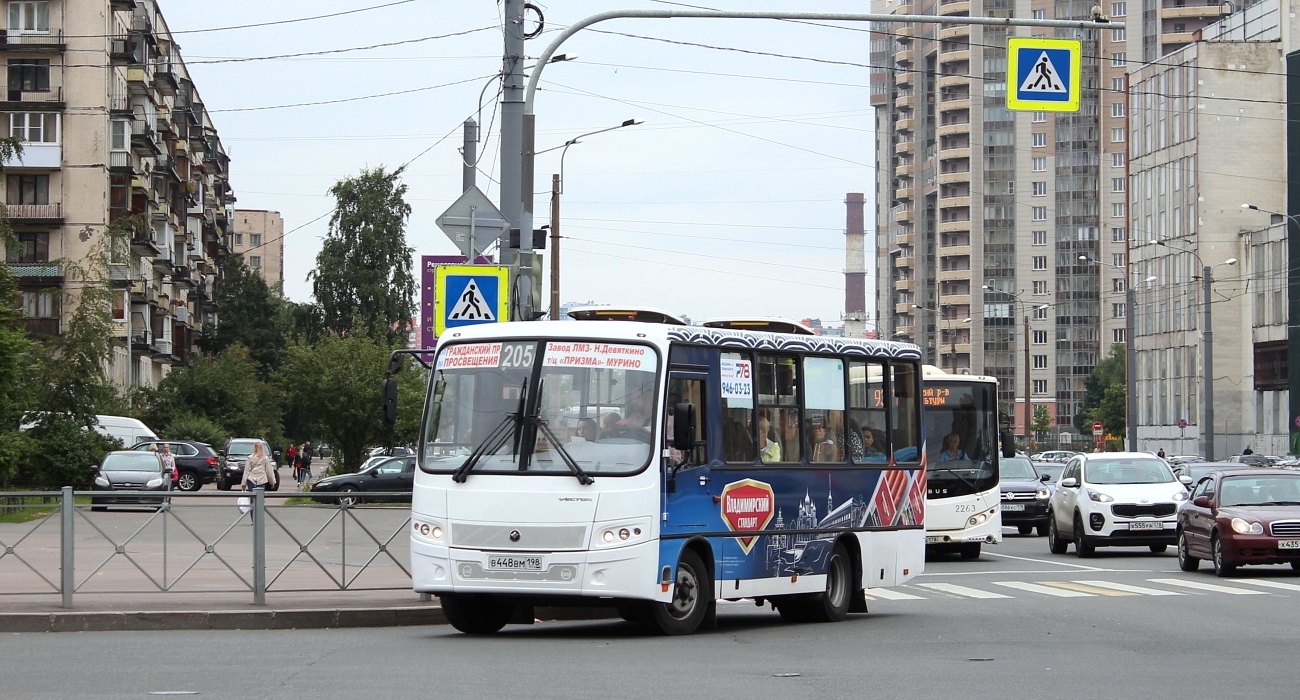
(63, 451)
(188, 426)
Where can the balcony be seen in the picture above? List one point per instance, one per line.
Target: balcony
(38, 155)
(31, 274)
(34, 100)
(1168, 38)
(42, 327)
(954, 226)
(122, 162)
(958, 32)
(182, 276)
(905, 101)
(908, 124)
(144, 139)
(162, 262)
(121, 276)
(953, 129)
(164, 76)
(36, 214)
(32, 42)
(954, 55)
(905, 170)
(143, 244)
(119, 105)
(960, 8)
(139, 80)
(122, 5)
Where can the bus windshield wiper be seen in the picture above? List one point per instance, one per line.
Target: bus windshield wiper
(969, 484)
(495, 439)
(572, 464)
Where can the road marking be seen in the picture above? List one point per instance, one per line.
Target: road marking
(887, 594)
(1197, 585)
(954, 589)
(1126, 588)
(1082, 586)
(1045, 590)
(1051, 562)
(1272, 584)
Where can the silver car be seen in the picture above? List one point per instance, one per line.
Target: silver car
(127, 476)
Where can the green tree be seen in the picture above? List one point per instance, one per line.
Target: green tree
(251, 316)
(363, 279)
(1041, 423)
(1105, 395)
(336, 386)
(17, 355)
(225, 391)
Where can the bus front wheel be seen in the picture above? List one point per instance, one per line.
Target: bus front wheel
(476, 614)
(692, 597)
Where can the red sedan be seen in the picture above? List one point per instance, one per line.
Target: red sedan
(1241, 516)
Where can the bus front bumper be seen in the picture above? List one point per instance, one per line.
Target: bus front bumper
(988, 532)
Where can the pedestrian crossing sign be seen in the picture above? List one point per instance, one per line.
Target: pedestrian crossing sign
(1043, 74)
(467, 295)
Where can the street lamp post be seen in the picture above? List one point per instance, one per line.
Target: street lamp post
(557, 188)
(952, 337)
(1130, 353)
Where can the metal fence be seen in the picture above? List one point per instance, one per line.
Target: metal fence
(199, 543)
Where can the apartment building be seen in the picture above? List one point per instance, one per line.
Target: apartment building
(986, 213)
(259, 241)
(113, 127)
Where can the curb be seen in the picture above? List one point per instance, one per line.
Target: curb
(325, 618)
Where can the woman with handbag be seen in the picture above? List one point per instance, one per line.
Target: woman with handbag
(258, 472)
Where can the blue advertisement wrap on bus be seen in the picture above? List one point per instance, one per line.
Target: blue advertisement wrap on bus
(787, 521)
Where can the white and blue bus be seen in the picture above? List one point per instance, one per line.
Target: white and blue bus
(658, 468)
(962, 455)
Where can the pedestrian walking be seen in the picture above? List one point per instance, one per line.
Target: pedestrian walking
(304, 464)
(291, 457)
(258, 471)
(169, 465)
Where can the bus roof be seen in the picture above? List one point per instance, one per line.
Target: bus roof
(930, 373)
(643, 314)
(757, 323)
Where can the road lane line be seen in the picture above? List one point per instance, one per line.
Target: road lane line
(887, 594)
(1126, 588)
(1270, 584)
(1197, 585)
(1051, 562)
(1045, 590)
(954, 589)
(1082, 586)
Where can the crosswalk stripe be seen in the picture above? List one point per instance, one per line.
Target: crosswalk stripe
(1083, 587)
(888, 594)
(1197, 585)
(1124, 588)
(1045, 590)
(963, 591)
(1271, 584)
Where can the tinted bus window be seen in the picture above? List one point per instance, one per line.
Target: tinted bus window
(737, 408)
(778, 403)
(905, 437)
(824, 400)
(867, 427)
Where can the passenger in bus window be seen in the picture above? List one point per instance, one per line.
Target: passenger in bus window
(769, 450)
(586, 429)
(951, 449)
(609, 422)
(790, 443)
(871, 451)
(823, 445)
(638, 411)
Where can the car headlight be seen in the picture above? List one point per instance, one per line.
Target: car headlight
(101, 480)
(1245, 527)
(1042, 493)
(154, 483)
(1180, 495)
(1099, 496)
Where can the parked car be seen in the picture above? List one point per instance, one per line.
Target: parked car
(394, 452)
(195, 461)
(1199, 470)
(394, 474)
(1114, 499)
(234, 455)
(129, 476)
(1185, 459)
(1241, 516)
(1254, 460)
(1024, 496)
(1053, 456)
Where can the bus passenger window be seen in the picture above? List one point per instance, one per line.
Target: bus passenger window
(737, 383)
(864, 432)
(905, 437)
(689, 391)
(778, 382)
(823, 395)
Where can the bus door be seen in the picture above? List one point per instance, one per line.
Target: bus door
(687, 491)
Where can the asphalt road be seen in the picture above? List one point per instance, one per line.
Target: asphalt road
(1020, 622)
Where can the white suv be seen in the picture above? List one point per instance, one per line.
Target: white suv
(1114, 499)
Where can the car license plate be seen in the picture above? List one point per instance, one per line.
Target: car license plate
(513, 563)
(1013, 506)
(1146, 526)
(1288, 544)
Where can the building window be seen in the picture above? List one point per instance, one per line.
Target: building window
(29, 75)
(1011, 186)
(1039, 14)
(1117, 235)
(1117, 335)
(1040, 337)
(1118, 59)
(255, 262)
(1040, 189)
(1117, 311)
(1117, 284)
(1040, 238)
(29, 17)
(1040, 164)
(1117, 109)
(1118, 9)
(27, 189)
(1040, 139)
(255, 239)
(1117, 259)
(1117, 159)
(1040, 286)
(31, 248)
(1040, 213)
(1040, 386)
(1040, 313)
(1117, 210)
(1040, 262)
(1117, 184)
(1040, 361)
(34, 127)
(1118, 34)
(1117, 135)
(1040, 117)
(239, 239)
(119, 135)
(40, 303)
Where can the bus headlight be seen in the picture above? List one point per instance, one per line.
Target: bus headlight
(427, 529)
(620, 533)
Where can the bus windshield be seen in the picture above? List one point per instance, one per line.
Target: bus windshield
(961, 438)
(528, 406)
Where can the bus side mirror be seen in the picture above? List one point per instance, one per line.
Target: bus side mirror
(388, 401)
(1008, 444)
(684, 427)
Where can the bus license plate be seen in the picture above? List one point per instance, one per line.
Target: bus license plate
(1013, 506)
(1146, 526)
(1288, 544)
(512, 563)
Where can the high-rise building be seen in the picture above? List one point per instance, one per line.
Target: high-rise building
(259, 240)
(984, 213)
(113, 127)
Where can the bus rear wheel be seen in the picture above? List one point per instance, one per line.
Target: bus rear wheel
(476, 614)
(970, 550)
(692, 598)
(833, 604)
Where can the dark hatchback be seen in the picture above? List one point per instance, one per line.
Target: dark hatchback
(1024, 496)
(1241, 516)
(130, 477)
(395, 477)
(195, 461)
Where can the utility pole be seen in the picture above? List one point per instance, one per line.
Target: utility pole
(469, 149)
(1029, 398)
(555, 247)
(1207, 358)
(1130, 367)
(515, 182)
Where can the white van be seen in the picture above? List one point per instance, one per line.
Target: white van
(128, 430)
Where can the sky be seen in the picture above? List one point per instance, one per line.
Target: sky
(727, 201)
